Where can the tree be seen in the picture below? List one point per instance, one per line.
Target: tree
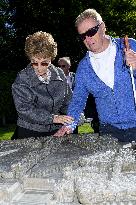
(120, 16)
(57, 17)
(7, 110)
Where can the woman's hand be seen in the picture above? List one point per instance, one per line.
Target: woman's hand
(62, 131)
(63, 119)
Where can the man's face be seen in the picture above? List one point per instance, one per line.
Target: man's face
(93, 34)
(64, 66)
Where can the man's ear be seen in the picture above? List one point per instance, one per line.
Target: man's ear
(103, 27)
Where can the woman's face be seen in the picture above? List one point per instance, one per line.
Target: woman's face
(40, 65)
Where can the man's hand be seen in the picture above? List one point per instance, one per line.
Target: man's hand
(63, 119)
(62, 131)
(130, 58)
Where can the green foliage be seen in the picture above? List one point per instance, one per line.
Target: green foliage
(58, 17)
(120, 17)
(6, 80)
(85, 128)
(6, 132)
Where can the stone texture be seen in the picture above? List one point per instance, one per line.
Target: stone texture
(77, 169)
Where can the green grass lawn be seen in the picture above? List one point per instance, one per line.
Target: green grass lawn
(85, 128)
(7, 132)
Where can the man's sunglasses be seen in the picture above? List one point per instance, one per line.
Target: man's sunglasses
(90, 32)
(62, 66)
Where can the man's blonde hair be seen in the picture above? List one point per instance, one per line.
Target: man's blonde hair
(88, 13)
(40, 44)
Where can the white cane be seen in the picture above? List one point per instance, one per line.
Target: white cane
(131, 70)
(133, 83)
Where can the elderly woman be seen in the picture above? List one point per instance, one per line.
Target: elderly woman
(40, 91)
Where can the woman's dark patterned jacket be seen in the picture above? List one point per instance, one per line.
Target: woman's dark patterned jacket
(36, 102)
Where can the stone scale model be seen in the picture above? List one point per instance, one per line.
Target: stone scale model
(76, 169)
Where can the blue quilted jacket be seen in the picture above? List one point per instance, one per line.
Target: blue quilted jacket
(115, 106)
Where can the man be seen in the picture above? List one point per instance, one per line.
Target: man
(65, 64)
(105, 72)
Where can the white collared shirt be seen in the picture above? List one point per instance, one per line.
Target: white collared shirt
(47, 79)
(103, 64)
(69, 81)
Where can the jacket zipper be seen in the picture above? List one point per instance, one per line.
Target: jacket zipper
(52, 104)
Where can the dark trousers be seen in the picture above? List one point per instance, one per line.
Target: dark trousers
(21, 133)
(91, 112)
(75, 131)
(123, 135)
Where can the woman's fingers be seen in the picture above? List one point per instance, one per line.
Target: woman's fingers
(62, 131)
(67, 119)
(63, 119)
